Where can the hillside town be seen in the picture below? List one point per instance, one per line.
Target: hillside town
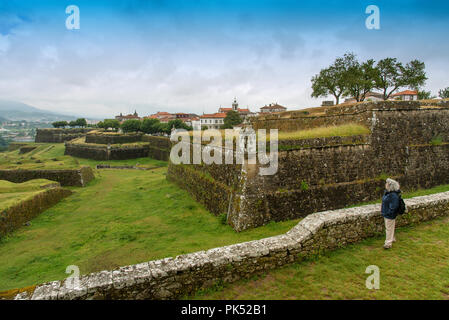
(205, 121)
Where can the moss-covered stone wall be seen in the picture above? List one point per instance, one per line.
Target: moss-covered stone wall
(14, 217)
(66, 177)
(59, 135)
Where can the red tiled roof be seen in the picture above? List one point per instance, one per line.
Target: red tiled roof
(214, 115)
(274, 106)
(229, 109)
(406, 92)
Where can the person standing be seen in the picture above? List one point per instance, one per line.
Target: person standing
(390, 207)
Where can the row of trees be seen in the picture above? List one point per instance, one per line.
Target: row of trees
(348, 77)
(149, 126)
(81, 123)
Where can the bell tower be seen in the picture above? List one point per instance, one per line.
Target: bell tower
(235, 105)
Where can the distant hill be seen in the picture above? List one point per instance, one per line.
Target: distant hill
(12, 110)
(3, 119)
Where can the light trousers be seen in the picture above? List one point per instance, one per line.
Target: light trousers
(389, 231)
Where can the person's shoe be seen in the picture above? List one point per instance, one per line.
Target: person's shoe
(387, 247)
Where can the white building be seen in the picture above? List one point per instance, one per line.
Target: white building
(213, 121)
(407, 95)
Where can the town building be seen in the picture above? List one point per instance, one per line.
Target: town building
(407, 95)
(272, 107)
(122, 118)
(213, 120)
(244, 113)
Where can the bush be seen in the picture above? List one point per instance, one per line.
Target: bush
(130, 126)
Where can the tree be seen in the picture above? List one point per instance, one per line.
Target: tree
(334, 79)
(424, 95)
(81, 122)
(150, 126)
(444, 93)
(392, 75)
(178, 124)
(132, 125)
(232, 118)
(360, 79)
(163, 128)
(111, 124)
(72, 124)
(60, 124)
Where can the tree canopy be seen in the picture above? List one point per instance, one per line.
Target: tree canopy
(232, 118)
(60, 124)
(348, 77)
(444, 93)
(132, 125)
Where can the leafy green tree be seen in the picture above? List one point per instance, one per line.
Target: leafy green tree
(334, 79)
(72, 124)
(60, 124)
(132, 125)
(111, 124)
(81, 122)
(163, 128)
(178, 124)
(150, 126)
(360, 78)
(392, 75)
(444, 93)
(424, 95)
(232, 118)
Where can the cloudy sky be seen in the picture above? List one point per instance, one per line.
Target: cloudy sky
(195, 55)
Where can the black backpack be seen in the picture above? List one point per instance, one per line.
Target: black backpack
(401, 208)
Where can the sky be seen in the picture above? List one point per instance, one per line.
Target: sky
(197, 55)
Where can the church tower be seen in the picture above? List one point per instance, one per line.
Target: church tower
(235, 105)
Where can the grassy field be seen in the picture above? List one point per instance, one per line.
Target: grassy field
(13, 193)
(122, 217)
(416, 268)
(345, 130)
(45, 156)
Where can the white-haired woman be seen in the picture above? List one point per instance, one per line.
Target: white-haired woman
(390, 206)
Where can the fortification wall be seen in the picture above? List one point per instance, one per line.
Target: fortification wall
(15, 216)
(103, 152)
(331, 173)
(159, 147)
(107, 138)
(172, 278)
(59, 135)
(67, 177)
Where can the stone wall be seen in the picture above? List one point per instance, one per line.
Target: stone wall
(331, 173)
(113, 138)
(60, 135)
(15, 216)
(172, 278)
(66, 177)
(103, 152)
(159, 147)
(95, 147)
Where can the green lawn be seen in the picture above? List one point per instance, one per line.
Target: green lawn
(122, 217)
(416, 268)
